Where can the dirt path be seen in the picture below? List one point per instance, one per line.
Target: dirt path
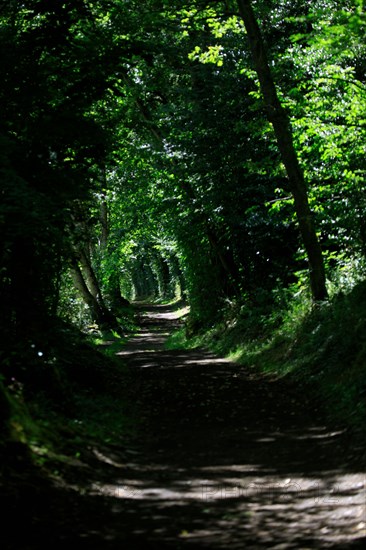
(225, 460)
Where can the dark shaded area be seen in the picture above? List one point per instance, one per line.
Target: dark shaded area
(222, 459)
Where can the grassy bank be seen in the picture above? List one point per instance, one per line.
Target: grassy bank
(320, 348)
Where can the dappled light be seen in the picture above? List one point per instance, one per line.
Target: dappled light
(182, 274)
(222, 460)
(251, 503)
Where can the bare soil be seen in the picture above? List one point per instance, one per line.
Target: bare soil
(223, 458)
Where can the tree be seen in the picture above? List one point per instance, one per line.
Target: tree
(82, 270)
(149, 119)
(54, 70)
(281, 125)
(326, 97)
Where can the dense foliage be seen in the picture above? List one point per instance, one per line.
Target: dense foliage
(142, 158)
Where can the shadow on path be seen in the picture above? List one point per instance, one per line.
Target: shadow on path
(226, 459)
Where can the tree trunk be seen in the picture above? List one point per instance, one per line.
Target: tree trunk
(104, 224)
(81, 261)
(100, 315)
(113, 296)
(89, 275)
(103, 213)
(227, 263)
(283, 132)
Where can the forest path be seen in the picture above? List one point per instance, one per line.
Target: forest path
(225, 459)
(228, 459)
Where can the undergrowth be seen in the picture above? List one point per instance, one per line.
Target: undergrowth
(321, 348)
(73, 398)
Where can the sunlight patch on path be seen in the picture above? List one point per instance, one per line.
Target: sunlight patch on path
(272, 481)
(269, 506)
